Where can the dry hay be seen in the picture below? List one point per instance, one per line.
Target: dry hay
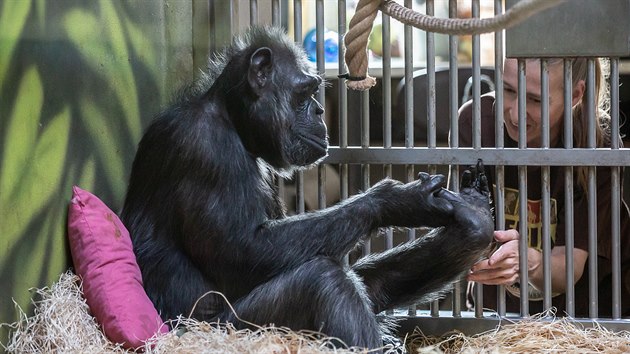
(542, 333)
(62, 323)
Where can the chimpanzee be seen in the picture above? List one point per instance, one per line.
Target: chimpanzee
(204, 213)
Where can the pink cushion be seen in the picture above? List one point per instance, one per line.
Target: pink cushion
(112, 283)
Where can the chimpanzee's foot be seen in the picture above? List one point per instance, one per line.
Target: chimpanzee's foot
(473, 216)
(474, 186)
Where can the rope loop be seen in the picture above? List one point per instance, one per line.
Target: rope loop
(356, 39)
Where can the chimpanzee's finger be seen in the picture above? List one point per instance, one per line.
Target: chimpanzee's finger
(466, 179)
(423, 176)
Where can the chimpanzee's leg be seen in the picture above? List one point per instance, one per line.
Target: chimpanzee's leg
(421, 270)
(320, 295)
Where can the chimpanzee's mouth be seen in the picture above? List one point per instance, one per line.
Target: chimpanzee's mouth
(316, 142)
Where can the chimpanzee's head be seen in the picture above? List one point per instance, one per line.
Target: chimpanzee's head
(270, 95)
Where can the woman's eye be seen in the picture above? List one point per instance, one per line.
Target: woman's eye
(534, 99)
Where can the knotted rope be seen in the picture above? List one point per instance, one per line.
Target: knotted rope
(356, 40)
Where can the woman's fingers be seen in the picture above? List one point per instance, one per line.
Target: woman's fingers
(494, 276)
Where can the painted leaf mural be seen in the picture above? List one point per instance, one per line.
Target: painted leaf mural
(78, 83)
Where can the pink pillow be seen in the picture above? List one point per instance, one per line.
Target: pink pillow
(112, 283)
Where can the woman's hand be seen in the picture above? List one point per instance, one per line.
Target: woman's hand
(502, 268)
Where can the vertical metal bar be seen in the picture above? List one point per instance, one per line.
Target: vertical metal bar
(276, 21)
(342, 106)
(343, 97)
(275, 13)
(476, 75)
(409, 139)
(545, 182)
(568, 192)
(499, 199)
(365, 142)
(430, 47)
(321, 96)
(498, 79)
(522, 112)
(321, 185)
(387, 82)
(297, 22)
(387, 108)
(387, 113)
(453, 92)
(253, 12)
(615, 192)
(319, 42)
(592, 192)
(476, 121)
(409, 136)
(544, 107)
(453, 44)
(522, 187)
(431, 124)
(299, 179)
(408, 39)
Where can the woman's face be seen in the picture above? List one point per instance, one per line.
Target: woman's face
(533, 101)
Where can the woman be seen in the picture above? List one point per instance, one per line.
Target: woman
(502, 267)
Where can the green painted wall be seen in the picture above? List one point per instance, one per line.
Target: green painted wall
(79, 81)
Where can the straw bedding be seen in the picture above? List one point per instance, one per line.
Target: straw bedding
(62, 323)
(535, 335)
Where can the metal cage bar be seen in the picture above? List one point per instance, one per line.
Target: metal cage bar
(499, 201)
(476, 122)
(453, 42)
(568, 191)
(592, 190)
(253, 12)
(409, 123)
(321, 96)
(430, 93)
(276, 12)
(615, 192)
(342, 106)
(387, 109)
(297, 37)
(522, 188)
(545, 182)
(546, 156)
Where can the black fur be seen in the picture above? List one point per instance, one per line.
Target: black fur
(204, 215)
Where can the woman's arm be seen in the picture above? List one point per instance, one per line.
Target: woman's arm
(502, 268)
(558, 269)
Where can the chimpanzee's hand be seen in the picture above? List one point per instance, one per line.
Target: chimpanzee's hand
(474, 186)
(438, 211)
(413, 204)
(472, 209)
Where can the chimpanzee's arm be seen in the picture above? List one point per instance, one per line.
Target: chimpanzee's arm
(273, 245)
(340, 227)
(432, 263)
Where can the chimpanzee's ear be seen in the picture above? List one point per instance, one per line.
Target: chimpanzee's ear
(260, 66)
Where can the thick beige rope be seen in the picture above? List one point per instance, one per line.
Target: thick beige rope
(356, 40)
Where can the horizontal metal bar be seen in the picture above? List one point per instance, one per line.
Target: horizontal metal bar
(490, 156)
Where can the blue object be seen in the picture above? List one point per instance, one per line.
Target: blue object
(331, 45)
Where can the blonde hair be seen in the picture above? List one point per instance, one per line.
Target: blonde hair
(579, 68)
